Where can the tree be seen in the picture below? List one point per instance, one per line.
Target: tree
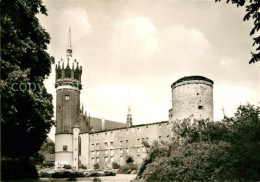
(252, 12)
(27, 108)
(208, 151)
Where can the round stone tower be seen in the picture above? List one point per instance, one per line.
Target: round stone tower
(192, 97)
(68, 86)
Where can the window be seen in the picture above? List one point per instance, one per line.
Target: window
(121, 142)
(147, 138)
(138, 140)
(93, 152)
(92, 146)
(112, 152)
(75, 159)
(97, 159)
(59, 107)
(197, 93)
(121, 151)
(106, 151)
(93, 159)
(97, 145)
(146, 126)
(111, 144)
(138, 157)
(159, 124)
(97, 152)
(121, 158)
(65, 147)
(111, 159)
(138, 149)
(200, 107)
(160, 137)
(142, 139)
(105, 158)
(168, 136)
(67, 97)
(105, 144)
(106, 134)
(138, 128)
(126, 150)
(143, 148)
(126, 141)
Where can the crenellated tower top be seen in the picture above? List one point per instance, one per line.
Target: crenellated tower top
(68, 71)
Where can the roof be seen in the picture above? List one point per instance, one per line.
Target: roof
(96, 124)
(195, 77)
(134, 126)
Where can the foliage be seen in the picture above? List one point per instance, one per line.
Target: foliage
(37, 159)
(26, 113)
(208, 151)
(129, 159)
(94, 174)
(67, 166)
(96, 180)
(128, 168)
(48, 164)
(48, 147)
(18, 168)
(109, 173)
(44, 175)
(252, 12)
(96, 166)
(115, 165)
(81, 166)
(67, 174)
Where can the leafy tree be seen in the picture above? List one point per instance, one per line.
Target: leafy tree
(96, 166)
(26, 113)
(252, 12)
(205, 150)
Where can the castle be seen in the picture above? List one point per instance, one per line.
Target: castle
(81, 139)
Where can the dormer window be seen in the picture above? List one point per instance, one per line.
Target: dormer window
(67, 97)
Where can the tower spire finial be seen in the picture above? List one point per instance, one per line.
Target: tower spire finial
(129, 115)
(69, 48)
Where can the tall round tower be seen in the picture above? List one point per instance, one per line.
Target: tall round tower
(192, 97)
(68, 86)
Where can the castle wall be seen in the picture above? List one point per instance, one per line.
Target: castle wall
(111, 146)
(192, 99)
(63, 149)
(85, 151)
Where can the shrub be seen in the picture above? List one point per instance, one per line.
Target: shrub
(81, 166)
(129, 159)
(115, 165)
(96, 180)
(94, 174)
(67, 174)
(96, 166)
(48, 164)
(44, 175)
(127, 168)
(67, 166)
(109, 173)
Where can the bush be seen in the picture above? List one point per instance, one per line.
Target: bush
(115, 165)
(47, 164)
(96, 166)
(81, 166)
(127, 169)
(19, 168)
(109, 173)
(67, 174)
(96, 180)
(44, 175)
(129, 159)
(67, 166)
(94, 174)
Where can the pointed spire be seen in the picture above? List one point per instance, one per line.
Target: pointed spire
(69, 48)
(129, 115)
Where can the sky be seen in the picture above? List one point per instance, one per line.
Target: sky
(142, 47)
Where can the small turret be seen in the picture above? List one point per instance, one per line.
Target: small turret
(129, 115)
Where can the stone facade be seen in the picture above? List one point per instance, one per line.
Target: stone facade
(81, 139)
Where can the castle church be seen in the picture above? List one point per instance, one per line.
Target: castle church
(81, 139)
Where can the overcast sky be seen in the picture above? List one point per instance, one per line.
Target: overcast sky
(145, 46)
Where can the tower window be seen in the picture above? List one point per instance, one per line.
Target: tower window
(200, 107)
(67, 97)
(197, 93)
(59, 107)
(65, 147)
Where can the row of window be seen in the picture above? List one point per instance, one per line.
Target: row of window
(93, 159)
(121, 151)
